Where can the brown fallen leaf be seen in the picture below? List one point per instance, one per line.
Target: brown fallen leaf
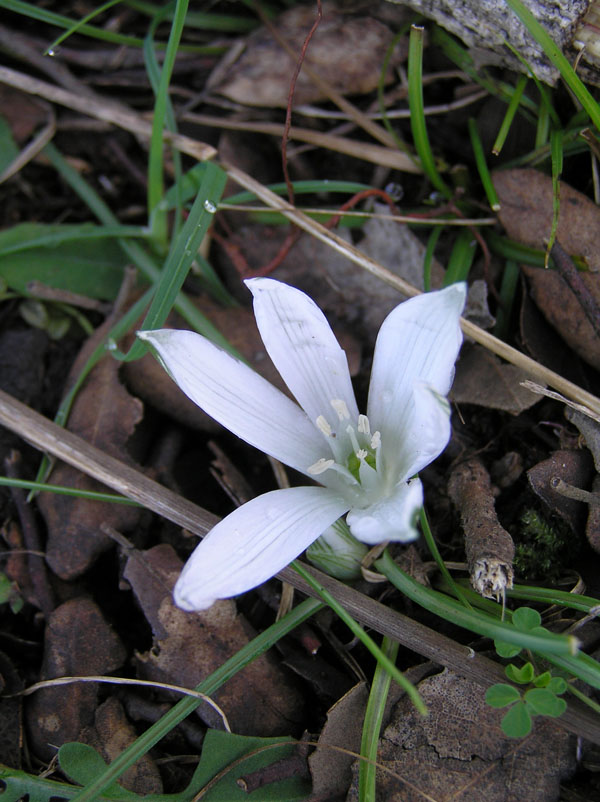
(459, 752)
(78, 642)
(110, 735)
(331, 770)
(574, 468)
(526, 213)
(189, 646)
(105, 415)
(483, 379)
(346, 51)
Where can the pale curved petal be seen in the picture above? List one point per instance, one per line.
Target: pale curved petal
(303, 348)
(237, 397)
(426, 433)
(254, 542)
(417, 343)
(391, 518)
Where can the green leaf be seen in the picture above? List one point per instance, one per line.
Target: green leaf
(223, 749)
(523, 675)
(506, 650)
(557, 685)
(501, 695)
(526, 618)
(543, 680)
(517, 722)
(18, 785)
(82, 266)
(542, 702)
(82, 764)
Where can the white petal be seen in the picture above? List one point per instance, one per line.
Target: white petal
(237, 397)
(255, 542)
(426, 431)
(417, 343)
(303, 348)
(391, 518)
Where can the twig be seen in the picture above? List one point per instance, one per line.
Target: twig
(490, 548)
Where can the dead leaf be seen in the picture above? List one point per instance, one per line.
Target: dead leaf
(78, 642)
(22, 112)
(189, 646)
(110, 735)
(526, 211)
(458, 752)
(592, 528)
(574, 468)
(526, 214)
(10, 713)
(105, 415)
(331, 770)
(483, 379)
(346, 51)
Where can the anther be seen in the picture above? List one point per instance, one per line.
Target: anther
(320, 466)
(364, 427)
(341, 408)
(376, 441)
(323, 426)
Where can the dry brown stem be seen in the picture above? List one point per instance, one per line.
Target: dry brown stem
(490, 548)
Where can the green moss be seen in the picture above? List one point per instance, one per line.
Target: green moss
(543, 549)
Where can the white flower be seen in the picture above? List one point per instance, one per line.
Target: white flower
(364, 462)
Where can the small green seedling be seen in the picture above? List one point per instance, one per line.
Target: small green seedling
(542, 697)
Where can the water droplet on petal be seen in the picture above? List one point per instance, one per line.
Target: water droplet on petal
(210, 207)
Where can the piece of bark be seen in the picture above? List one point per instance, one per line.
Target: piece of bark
(490, 548)
(78, 642)
(458, 752)
(488, 27)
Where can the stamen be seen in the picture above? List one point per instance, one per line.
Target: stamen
(376, 440)
(352, 435)
(341, 408)
(364, 427)
(320, 466)
(323, 426)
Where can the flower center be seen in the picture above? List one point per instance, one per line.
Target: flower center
(353, 447)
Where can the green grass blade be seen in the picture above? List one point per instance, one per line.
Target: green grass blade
(61, 490)
(155, 158)
(510, 114)
(182, 254)
(367, 769)
(417, 114)
(365, 639)
(482, 168)
(51, 49)
(206, 21)
(552, 51)
(259, 645)
(132, 250)
(60, 21)
(461, 257)
(474, 620)
(556, 148)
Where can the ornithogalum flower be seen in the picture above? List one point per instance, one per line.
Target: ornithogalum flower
(365, 464)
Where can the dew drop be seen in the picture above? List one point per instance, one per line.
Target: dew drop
(111, 344)
(53, 51)
(210, 207)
